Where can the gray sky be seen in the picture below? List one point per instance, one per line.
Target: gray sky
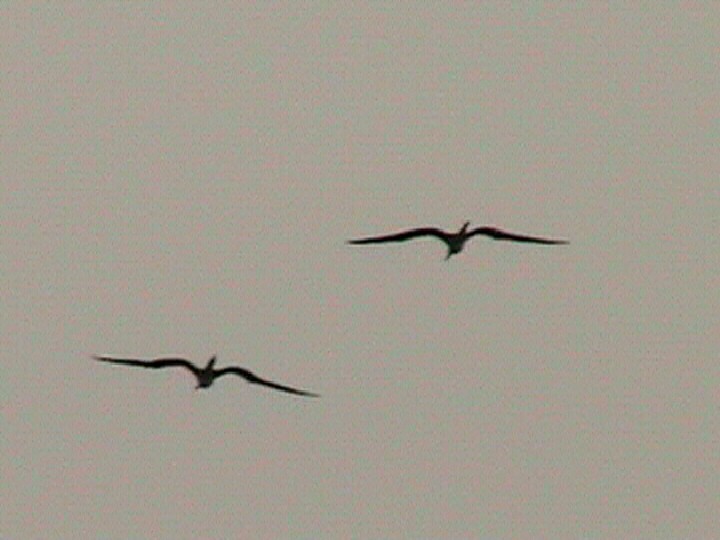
(180, 178)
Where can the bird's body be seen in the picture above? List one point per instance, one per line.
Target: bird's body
(455, 241)
(205, 376)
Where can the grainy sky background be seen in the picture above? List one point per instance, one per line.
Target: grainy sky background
(180, 178)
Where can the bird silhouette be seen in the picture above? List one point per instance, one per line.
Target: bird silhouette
(455, 241)
(207, 375)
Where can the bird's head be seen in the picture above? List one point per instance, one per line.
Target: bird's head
(465, 227)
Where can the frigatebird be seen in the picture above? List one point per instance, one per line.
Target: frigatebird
(455, 241)
(207, 375)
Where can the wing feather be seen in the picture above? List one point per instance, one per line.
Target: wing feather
(250, 377)
(402, 236)
(498, 234)
(157, 363)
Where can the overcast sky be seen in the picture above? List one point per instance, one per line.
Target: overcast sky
(180, 178)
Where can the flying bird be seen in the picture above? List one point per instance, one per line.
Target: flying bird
(207, 375)
(455, 241)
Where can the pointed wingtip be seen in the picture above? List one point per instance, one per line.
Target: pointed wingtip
(304, 393)
(554, 242)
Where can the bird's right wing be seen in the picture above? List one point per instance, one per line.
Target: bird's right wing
(152, 364)
(401, 236)
(250, 377)
(498, 234)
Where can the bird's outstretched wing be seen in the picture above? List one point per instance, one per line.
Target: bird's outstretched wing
(402, 236)
(152, 364)
(497, 234)
(250, 377)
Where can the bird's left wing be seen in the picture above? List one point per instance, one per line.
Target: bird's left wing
(250, 377)
(152, 364)
(498, 234)
(401, 236)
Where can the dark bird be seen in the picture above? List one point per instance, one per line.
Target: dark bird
(207, 375)
(455, 241)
